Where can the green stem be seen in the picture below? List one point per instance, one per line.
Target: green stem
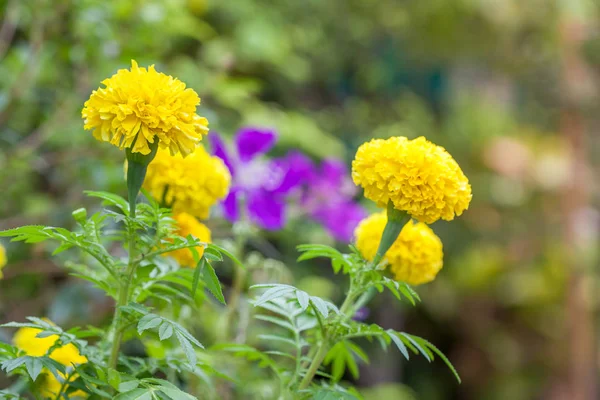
(324, 347)
(122, 300)
(314, 365)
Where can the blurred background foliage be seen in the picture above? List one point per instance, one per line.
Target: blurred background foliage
(508, 87)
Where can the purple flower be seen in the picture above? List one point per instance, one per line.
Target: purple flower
(259, 185)
(329, 199)
(361, 314)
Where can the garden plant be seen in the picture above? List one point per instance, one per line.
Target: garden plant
(259, 336)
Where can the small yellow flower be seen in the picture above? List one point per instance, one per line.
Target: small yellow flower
(193, 184)
(146, 105)
(418, 176)
(2, 259)
(26, 340)
(415, 257)
(188, 225)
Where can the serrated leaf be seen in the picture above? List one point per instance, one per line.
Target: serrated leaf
(393, 335)
(320, 306)
(209, 277)
(187, 348)
(276, 321)
(34, 367)
(416, 345)
(213, 254)
(110, 198)
(227, 253)
(444, 358)
(148, 322)
(165, 331)
(128, 386)
(196, 278)
(303, 299)
(135, 394)
(273, 293)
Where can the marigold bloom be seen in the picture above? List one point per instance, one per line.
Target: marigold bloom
(146, 105)
(26, 340)
(192, 184)
(418, 176)
(2, 259)
(188, 225)
(415, 257)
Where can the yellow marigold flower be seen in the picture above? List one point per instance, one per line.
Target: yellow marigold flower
(146, 105)
(418, 176)
(2, 259)
(26, 340)
(193, 184)
(188, 225)
(415, 257)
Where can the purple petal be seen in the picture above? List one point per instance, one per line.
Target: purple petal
(231, 205)
(251, 142)
(266, 209)
(294, 170)
(361, 314)
(340, 219)
(220, 150)
(334, 171)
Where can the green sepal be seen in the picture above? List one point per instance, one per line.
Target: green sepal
(396, 220)
(137, 165)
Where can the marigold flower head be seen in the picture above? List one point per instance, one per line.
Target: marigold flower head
(418, 176)
(192, 184)
(189, 225)
(26, 339)
(148, 105)
(2, 259)
(415, 257)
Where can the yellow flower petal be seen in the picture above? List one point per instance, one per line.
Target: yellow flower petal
(419, 178)
(145, 103)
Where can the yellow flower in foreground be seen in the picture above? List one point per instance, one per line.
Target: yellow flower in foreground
(2, 259)
(188, 225)
(193, 184)
(415, 257)
(418, 176)
(26, 340)
(146, 105)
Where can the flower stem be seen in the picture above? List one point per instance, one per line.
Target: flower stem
(314, 365)
(122, 300)
(324, 347)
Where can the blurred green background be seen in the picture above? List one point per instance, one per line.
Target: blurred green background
(509, 87)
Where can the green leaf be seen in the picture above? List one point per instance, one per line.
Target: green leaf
(127, 386)
(170, 390)
(165, 331)
(442, 356)
(135, 394)
(320, 306)
(196, 278)
(148, 321)
(424, 352)
(209, 277)
(111, 199)
(187, 348)
(34, 367)
(213, 254)
(114, 378)
(273, 293)
(227, 253)
(303, 299)
(394, 336)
